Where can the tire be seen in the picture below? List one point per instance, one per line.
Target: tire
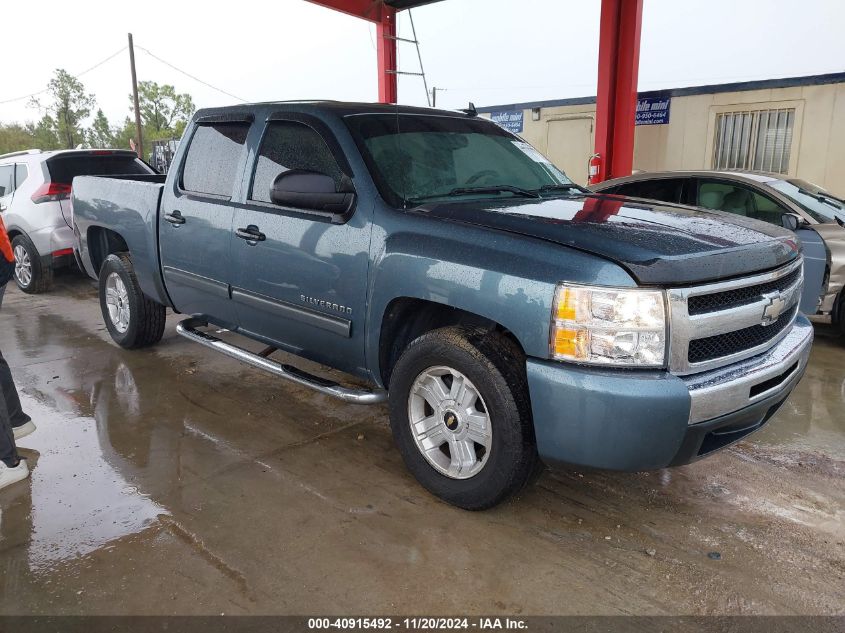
(839, 314)
(31, 275)
(492, 370)
(135, 320)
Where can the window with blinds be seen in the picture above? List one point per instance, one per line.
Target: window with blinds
(755, 139)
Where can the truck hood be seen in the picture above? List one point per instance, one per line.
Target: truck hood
(666, 245)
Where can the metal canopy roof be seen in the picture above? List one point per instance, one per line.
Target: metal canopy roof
(401, 5)
(620, 27)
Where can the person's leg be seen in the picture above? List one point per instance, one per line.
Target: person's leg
(15, 413)
(8, 450)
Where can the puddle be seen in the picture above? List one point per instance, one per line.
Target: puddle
(79, 501)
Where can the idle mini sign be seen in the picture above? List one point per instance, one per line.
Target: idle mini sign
(653, 111)
(511, 120)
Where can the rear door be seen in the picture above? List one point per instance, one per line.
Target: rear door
(195, 220)
(302, 287)
(7, 185)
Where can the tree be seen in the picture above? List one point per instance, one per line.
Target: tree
(69, 106)
(124, 134)
(101, 133)
(163, 110)
(14, 137)
(45, 133)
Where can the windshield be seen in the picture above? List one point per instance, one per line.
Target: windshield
(416, 158)
(821, 206)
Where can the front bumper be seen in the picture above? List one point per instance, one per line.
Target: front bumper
(642, 420)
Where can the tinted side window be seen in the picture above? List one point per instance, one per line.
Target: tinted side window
(7, 180)
(211, 164)
(725, 196)
(289, 145)
(664, 189)
(21, 174)
(767, 209)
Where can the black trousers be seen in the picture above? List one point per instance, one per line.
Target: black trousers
(11, 414)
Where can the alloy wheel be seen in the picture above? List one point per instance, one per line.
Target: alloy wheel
(450, 423)
(117, 301)
(23, 266)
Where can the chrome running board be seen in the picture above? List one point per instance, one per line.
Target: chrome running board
(188, 329)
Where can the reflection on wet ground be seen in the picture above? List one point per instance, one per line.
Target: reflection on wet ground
(172, 480)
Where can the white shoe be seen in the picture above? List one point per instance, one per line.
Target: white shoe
(23, 430)
(9, 476)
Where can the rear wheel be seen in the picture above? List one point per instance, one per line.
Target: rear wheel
(461, 416)
(133, 319)
(31, 275)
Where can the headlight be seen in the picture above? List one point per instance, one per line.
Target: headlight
(606, 326)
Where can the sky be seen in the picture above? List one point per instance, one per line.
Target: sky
(485, 51)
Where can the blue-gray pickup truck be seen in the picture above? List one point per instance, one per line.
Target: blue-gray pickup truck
(513, 317)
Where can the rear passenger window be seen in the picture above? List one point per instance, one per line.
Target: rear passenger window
(21, 173)
(664, 189)
(289, 145)
(211, 165)
(7, 180)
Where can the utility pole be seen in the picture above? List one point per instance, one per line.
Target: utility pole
(139, 147)
(434, 90)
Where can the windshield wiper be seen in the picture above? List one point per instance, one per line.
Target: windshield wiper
(469, 191)
(823, 199)
(563, 187)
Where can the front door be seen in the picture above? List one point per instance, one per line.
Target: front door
(195, 222)
(738, 198)
(301, 285)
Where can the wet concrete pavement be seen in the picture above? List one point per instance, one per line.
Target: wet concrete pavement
(173, 480)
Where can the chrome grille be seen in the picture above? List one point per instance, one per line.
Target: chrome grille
(703, 304)
(717, 324)
(704, 349)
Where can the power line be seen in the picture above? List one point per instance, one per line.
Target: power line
(77, 76)
(187, 74)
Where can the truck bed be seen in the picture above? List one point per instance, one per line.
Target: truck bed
(125, 206)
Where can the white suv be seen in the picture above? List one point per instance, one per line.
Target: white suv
(35, 203)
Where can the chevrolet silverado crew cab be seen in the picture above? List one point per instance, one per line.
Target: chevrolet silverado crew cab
(508, 316)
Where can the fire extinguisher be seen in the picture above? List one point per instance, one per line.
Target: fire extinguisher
(593, 169)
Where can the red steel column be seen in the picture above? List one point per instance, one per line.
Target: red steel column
(616, 98)
(388, 91)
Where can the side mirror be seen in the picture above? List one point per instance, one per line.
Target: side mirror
(312, 190)
(791, 221)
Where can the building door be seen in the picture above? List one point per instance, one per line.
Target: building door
(569, 146)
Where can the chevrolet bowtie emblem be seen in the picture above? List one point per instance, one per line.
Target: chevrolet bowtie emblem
(775, 304)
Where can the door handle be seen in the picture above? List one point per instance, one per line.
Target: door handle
(174, 218)
(251, 234)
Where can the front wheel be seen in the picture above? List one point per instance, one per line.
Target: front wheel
(461, 416)
(839, 313)
(133, 319)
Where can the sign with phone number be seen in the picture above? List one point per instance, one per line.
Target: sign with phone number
(653, 111)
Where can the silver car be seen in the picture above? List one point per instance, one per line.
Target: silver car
(35, 202)
(816, 216)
